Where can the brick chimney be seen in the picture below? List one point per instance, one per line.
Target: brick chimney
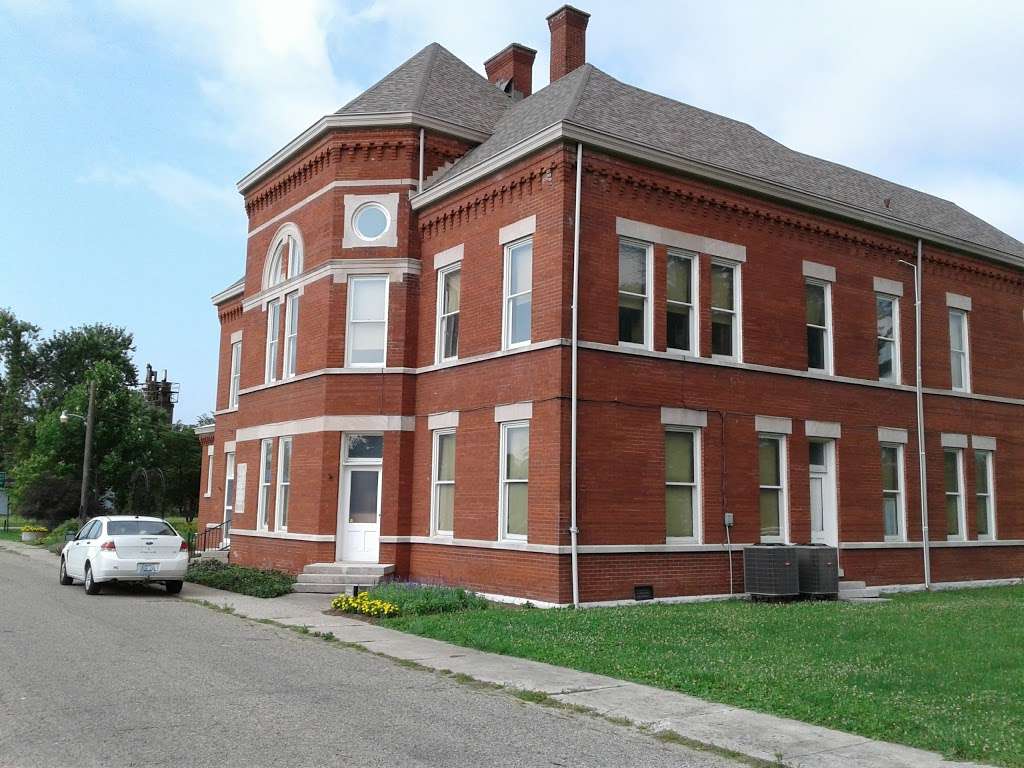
(568, 27)
(511, 69)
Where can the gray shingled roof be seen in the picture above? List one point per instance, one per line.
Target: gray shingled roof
(593, 99)
(437, 83)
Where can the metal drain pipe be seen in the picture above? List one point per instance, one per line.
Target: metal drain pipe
(573, 528)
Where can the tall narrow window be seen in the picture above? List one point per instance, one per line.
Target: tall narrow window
(771, 456)
(366, 338)
(515, 476)
(449, 285)
(518, 293)
(229, 491)
(234, 386)
(291, 333)
(817, 297)
(984, 494)
(953, 477)
(725, 334)
(209, 472)
(266, 478)
(887, 316)
(443, 498)
(892, 492)
(284, 483)
(681, 320)
(273, 331)
(959, 360)
(634, 293)
(682, 485)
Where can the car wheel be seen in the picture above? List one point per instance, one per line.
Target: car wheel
(173, 587)
(92, 587)
(65, 580)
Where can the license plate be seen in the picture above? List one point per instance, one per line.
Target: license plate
(145, 569)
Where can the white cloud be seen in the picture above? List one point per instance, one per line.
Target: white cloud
(176, 186)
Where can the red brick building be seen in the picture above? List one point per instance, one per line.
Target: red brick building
(405, 378)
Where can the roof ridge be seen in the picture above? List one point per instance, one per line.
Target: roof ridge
(578, 95)
(428, 69)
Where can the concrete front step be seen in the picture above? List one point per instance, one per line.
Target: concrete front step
(852, 585)
(341, 568)
(364, 580)
(213, 554)
(852, 594)
(324, 589)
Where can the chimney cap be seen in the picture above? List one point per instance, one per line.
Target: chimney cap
(510, 47)
(575, 11)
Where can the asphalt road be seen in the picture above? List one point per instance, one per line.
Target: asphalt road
(135, 677)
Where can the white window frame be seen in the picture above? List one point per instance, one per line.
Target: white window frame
(229, 484)
(693, 308)
(352, 281)
(209, 473)
(990, 476)
(647, 296)
(696, 485)
(442, 316)
(504, 481)
(435, 483)
(961, 501)
(737, 311)
(273, 338)
(826, 287)
(284, 457)
(783, 489)
(506, 315)
(266, 480)
(900, 494)
(291, 334)
(965, 354)
(897, 355)
(235, 381)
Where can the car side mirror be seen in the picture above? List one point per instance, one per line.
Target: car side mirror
(70, 536)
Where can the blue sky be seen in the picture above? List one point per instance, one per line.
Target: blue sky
(125, 124)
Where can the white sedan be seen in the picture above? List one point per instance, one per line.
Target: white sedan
(125, 548)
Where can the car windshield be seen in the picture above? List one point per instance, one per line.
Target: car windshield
(139, 528)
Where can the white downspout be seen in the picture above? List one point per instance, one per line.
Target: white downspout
(573, 529)
(922, 459)
(419, 184)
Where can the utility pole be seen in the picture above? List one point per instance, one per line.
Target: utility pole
(83, 506)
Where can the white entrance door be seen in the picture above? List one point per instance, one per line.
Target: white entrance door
(360, 515)
(824, 509)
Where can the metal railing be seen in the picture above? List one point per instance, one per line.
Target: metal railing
(210, 538)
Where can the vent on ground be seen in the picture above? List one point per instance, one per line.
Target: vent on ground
(643, 592)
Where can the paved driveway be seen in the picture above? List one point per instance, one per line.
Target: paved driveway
(137, 678)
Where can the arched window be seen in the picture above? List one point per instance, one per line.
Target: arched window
(284, 259)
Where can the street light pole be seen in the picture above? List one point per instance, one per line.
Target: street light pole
(83, 506)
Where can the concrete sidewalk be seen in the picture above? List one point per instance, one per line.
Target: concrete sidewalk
(751, 734)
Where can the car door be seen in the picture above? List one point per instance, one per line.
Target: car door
(78, 551)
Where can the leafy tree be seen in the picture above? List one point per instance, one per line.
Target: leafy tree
(17, 362)
(64, 360)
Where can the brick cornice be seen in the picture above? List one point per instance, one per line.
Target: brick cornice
(229, 313)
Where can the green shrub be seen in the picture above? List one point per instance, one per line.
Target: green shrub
(237, 578)
(422, 599)
(54, 540)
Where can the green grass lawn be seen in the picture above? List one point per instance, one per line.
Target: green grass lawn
(14, 523)
(941, 671)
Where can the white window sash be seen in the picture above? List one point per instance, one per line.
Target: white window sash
(282, 500)
(645, 297)
(351, 324)
(897, 372)
(236, 374)
(697, 509)
(826, 329)
(442, 316)
(781, 489)
(691, 307)
(262, 502)
(961, 533)
(273, 331)
(990, 495)
(229, 483)
(291, 330)
(437, 483)
(899, 494)
(505, 481)
(209, 476)
(506, 320)
(736, 312)
(961, 357)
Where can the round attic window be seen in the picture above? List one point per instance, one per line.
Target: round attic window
(371, 221)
